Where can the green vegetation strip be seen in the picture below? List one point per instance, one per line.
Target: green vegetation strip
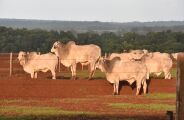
(161, 76)
(173, 72)
(39, 111)
(162, 96)
(84, 74)
(150, 107)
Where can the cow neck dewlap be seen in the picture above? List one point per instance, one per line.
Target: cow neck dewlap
(26, 61)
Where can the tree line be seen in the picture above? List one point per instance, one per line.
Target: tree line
(15, 40)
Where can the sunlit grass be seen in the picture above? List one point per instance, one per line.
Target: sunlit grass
(79, 100)
(161, 96)
(100, 75)
(173, 72)
(48, 111)
(161, 76)
(83, 74)
(150, 107)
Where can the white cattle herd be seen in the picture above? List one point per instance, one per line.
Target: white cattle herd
(136, 65)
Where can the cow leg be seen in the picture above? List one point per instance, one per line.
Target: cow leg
(35, 74)
(32, 75)
(53, 74)
(138, 87)
(144, 86)
(147, 76)
(167, 74)
(92, 70)
(116, 88)
(74, 71)
(71, 68)
(114, 85)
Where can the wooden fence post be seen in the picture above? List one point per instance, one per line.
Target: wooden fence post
(11, 55)
(180, 87)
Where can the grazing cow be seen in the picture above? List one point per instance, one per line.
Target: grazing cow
(117, 70)
(70, 54)
(33, 63)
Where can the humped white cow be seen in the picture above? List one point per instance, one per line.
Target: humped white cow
(70, 54)
(33, 63)
(117, 70)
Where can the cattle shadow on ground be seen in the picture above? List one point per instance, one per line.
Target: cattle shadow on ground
(134, 86)
(60, 77)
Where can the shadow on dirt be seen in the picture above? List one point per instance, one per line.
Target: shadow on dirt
(133, 86)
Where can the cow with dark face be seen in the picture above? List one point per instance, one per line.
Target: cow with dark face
(117, 70)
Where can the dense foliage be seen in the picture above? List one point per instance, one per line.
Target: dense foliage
(14, 40)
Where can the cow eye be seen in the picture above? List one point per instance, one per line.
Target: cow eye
(55, 47)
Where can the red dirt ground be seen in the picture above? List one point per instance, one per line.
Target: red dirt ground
(24, 87)
(83, 95)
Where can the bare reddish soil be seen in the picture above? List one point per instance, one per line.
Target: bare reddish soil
(78, 95)
(24, 87)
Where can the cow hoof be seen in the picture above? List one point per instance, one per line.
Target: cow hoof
(90, 79)
(73, 78)
(115, 94)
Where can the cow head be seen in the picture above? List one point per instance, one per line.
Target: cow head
(22, 57)
(106, 65)
(100, 63)
(137, 54)
(55, 48)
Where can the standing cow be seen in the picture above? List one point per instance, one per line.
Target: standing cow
(156, 62)
(70, 54)
(33, 63)
(117, 70)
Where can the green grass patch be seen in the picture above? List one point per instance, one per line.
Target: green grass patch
(48, 111)
(161, 76)
(83, 74)
(173, 72)
(150, 107)
(161, 96)
(79, 100)
(4, 101)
